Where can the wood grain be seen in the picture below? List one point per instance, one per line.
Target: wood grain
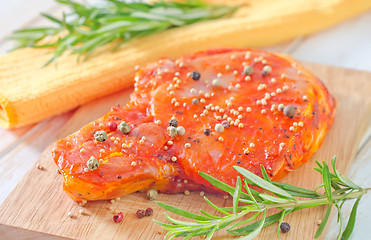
(39, 204)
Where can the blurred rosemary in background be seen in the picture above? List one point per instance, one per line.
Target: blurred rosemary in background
(87, 27)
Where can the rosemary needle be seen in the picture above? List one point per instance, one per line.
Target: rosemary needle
(337, 189)
(87, 28)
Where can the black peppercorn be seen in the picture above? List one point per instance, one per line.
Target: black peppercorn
(285, 227)
(173, 123)
(207, 132)
(195, 76)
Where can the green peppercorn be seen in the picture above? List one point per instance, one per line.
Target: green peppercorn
(152, 194)
(100, 136)
(248, 70)
(124, 127)
(172, 131)
(92, 163)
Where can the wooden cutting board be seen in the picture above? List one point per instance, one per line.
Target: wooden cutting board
(39, 204)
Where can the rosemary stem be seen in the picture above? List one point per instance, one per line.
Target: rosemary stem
(316, 202)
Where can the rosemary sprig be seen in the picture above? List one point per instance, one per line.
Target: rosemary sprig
(337, 189)
(87, 27)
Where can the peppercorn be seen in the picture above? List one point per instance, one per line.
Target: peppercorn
(100, 136)
(118, 218)
(266, 71)
(141, 213)
(149, 211)
(112, 126)
(285, 227)
(92, 163)
(195, 76)
(180, 130)
(195, 101)
(219, 127)
(124, 127)
(173, 123)
(226, 124)
(172, 131)
(207, 132)
(152, 194)
(289, 111)
(248, 70)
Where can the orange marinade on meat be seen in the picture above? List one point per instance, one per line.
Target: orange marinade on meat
(231, 105)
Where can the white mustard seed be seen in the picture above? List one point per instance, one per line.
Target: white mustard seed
(170, 142)
(263, 111)
(282, 145)
(252, 145)
(281, 107)
(216, 83)
(187, 145)
(300, 124)
(262, 86)
(248, 109)
(292, 128)
(174, 159)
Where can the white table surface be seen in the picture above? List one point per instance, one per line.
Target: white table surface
(346, 45)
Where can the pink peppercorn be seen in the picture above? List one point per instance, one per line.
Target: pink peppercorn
(141, 213)
(149, 211)
(118, 218)
(112, 126)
